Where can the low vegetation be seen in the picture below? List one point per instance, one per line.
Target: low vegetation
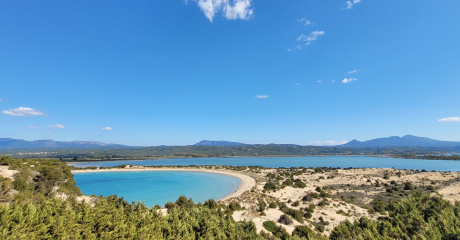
(41, 202)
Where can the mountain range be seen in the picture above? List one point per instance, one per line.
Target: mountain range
(395, 141)
(405, 141)
(9, 143)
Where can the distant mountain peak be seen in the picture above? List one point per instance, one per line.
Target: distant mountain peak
(405, 141)
(218, 143)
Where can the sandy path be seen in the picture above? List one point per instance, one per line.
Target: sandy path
(5, 172)
(247, 182)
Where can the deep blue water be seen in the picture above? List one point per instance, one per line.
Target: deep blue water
(157, 187)
(327, 161)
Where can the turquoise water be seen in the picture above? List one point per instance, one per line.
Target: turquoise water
(327, 161)
(158, 187)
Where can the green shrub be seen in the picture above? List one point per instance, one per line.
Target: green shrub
(269, 225)
(262, 206)
(210, 203)
(285, 219)
(234, 206)
(304, 232)
(319, 227)
(270, 186)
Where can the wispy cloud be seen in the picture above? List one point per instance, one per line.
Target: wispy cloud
(333, 81)
(33, 127)
(262, 96)
(319, 81)
(297, 84)
(351, 3)
(327, 143)
(106, 128)
(349, 80)
(57, 126)
(353, 71)
(23, 112)
(305, 21)
(450, 119)
(1, 99)
(232, 9)
(310, 38)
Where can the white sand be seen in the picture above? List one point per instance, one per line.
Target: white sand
(247, 182)
(5, 172)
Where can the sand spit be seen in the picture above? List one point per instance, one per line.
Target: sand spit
(247, 182)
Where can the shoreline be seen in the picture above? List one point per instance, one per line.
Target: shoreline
(247, 182)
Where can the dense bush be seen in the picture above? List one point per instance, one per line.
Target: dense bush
(211, 204)
(306, 233)
(262, 206)
(285, 219)
(114, 218)
(296, 214)
(234, 206)
(417, 216)
(269, 225)
(270, 186)
(299, 184)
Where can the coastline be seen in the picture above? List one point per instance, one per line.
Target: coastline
(247, 182)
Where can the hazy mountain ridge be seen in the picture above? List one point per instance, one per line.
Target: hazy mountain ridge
(405, 141)
(9, 143)
(218, 143)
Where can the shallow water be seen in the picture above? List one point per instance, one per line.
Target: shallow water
(326, 161)
(158, 187)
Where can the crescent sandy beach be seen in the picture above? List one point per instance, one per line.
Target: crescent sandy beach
(247, 182)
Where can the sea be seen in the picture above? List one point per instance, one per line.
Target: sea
(159, 187)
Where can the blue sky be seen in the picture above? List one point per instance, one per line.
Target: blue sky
(176, 72)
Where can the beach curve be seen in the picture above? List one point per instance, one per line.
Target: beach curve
(247, 182)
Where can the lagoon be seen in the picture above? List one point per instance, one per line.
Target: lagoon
(157, 187)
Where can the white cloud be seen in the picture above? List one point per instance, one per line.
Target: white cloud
(33, 127)
(327, 143)
(240, 10)
(1, 99)
(57, 126)
(288, 49)
(233, 9)
(319, 81)
(450, 119)
(262, 96)
(351, 3)
(107, 128)
(306, 22)
(353, 71)
(23, 112)
(333, 81)
(308, 39)
(349, 80)
(297, 84)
